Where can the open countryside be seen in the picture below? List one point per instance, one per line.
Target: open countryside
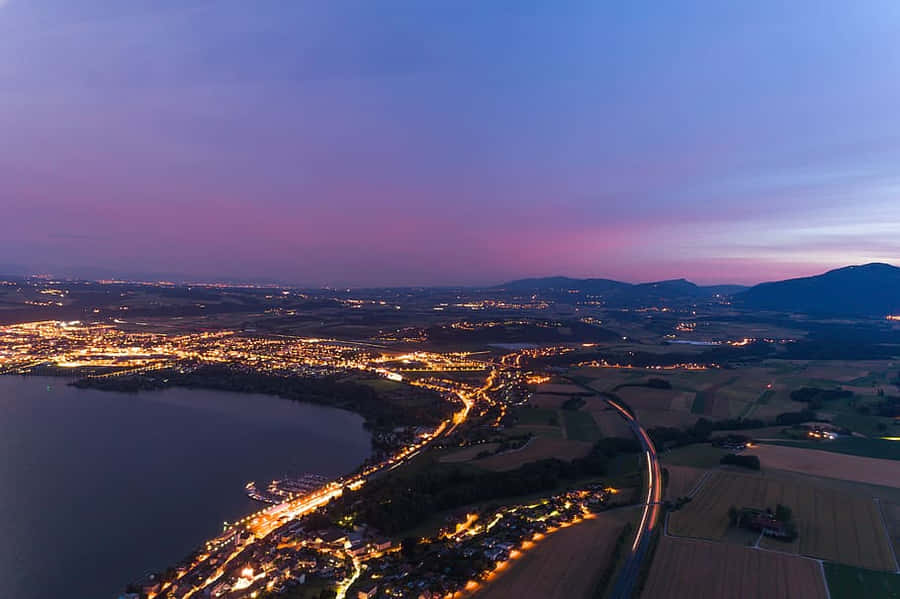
(836, 526)
(449, 300)
(695, 569)
(822, 463)
(562, 566)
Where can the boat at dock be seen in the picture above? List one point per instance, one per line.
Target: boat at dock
(286, 488)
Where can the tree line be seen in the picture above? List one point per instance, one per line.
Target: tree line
(394, 504)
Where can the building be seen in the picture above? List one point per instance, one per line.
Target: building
(150, 586)
(764, 521)
(769, 526)
(335, 537)
(367, 590)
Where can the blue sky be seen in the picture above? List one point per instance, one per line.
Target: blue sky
(448, 142)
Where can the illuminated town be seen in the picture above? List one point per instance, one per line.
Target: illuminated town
(264, 550)
(506, 407)
(449, 300)
(273, 549)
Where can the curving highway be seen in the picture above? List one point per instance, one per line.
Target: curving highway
(624, 584)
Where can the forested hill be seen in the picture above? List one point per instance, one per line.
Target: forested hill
(867, 290)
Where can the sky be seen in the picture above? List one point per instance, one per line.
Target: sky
(448, 142)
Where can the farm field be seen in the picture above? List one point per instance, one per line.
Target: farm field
(846, 582)
(713, 402)
(561, 389)
(609, 421)
(580, 425)
(538, 429)
(797, 373)
(536, 449)
(565, 565)
(682, 480)
(466, 454)
(606, 379)
(712, 393)
(693, 569)
(528, 416)
(766, 432)
(542, 422)
(833, 525)
(660, 407)
(701, 455)
(646, 398)
(853, 372)
(548, 400)
(891, 513)
(760, 391)
(872, 448)
(842, 414)
(830, 465)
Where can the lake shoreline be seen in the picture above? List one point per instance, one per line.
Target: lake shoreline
(128, 466)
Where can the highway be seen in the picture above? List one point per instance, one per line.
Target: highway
(624, 584)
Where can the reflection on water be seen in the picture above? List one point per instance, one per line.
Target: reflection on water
(96, 487)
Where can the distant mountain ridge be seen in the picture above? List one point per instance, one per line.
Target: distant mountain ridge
(871, 290)
(621, 293)
(864, 290)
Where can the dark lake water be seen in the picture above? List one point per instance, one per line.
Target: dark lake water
(97, 488)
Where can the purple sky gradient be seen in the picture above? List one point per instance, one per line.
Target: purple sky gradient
(368, 143)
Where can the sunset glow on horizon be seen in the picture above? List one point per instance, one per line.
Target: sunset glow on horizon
(447, 143)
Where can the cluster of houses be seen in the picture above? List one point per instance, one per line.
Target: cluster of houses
(471, 548)
(358, 543)
(289, 558)
(822, 432)
(765, 522)
(274, 566)
(460, 557)
(733, 443)
(276, 569)
(386, 442)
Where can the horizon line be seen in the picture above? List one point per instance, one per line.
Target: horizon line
(185, 281)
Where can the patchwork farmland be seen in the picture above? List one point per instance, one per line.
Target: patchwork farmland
(693, 569)
(538, 448)
(831, 465)
(833, 525)
(761, 391)
(682, 480)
